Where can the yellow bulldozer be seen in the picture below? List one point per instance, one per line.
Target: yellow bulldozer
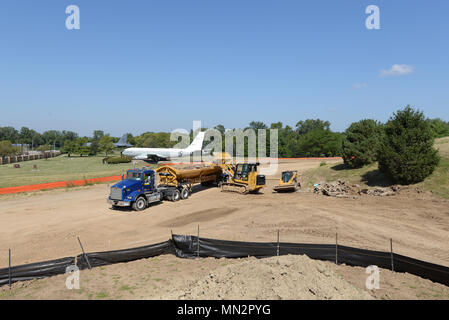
(242, 177)
(288, 182)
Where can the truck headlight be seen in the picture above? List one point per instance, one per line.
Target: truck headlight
(130, 197)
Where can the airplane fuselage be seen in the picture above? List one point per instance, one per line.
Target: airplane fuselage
(162, 153)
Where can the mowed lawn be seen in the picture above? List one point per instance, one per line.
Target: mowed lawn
(61, 168)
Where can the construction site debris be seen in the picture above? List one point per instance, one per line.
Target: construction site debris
(343, 189)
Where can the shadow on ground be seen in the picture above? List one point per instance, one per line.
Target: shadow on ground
(375, 178)
(372, 178)
(340, 166)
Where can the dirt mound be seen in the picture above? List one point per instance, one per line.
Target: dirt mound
(284, 277)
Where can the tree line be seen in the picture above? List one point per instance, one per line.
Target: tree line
(362, 143)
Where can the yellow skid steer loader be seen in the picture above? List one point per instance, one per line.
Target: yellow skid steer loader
(288, 182)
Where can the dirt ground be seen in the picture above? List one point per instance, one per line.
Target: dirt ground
(285, 277)
(45, 225)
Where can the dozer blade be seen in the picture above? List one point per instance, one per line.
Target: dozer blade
(286, 188)
(232, 187)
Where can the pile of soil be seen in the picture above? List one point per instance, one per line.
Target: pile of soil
(284, 277)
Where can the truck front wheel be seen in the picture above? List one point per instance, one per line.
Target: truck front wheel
(140, 204)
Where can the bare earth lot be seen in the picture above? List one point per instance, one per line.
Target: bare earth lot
(45, 225)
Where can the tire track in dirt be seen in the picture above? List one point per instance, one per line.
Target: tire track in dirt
(198, 216)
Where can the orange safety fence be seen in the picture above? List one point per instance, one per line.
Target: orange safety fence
(54, 185)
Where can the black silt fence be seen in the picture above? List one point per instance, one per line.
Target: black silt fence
(186, 246)
(97, 259)
(36, 270)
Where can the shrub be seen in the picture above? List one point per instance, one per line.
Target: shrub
(406, 151)
(361, 142)
(116, 160)
(320, 143)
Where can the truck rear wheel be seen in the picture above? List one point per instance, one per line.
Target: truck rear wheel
(175, 195)
(140, 204)
(185, 193)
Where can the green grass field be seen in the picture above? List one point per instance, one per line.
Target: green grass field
(61, 168)
(369, 175)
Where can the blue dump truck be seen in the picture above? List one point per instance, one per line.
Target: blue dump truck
(143, 186)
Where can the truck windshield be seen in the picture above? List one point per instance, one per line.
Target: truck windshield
(132, 175)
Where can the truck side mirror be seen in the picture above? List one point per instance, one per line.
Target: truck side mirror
(123, 176)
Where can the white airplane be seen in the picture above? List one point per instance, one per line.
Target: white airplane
(163, 154)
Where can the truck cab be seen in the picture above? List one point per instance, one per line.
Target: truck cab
(136, 190)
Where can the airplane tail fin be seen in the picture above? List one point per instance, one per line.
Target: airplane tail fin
(197, 143)
(123, 140)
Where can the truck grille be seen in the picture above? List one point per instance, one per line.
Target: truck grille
(116, 194)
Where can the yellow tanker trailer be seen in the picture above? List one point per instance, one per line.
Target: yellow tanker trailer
(185, 178)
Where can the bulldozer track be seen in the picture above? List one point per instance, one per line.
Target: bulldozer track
(234, 187)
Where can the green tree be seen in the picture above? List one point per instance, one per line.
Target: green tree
(154, 140)
(68, 136)
(94, 142)
(6, 148)
(360, 144)
(303, 127)
(52, 137)
(25, 135)
(406, 151)
(69, 147)
(256, 125)
(320, 143)
(9, 133)
(81, 146)
(106, 144)
(220, 128)
(439, 127)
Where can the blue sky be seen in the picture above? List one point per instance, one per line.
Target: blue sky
(148, 65)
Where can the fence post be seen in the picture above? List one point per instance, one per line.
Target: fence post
(277, 252)
(9, 270)
(336, 248)
(198, 243)
(84, 254)
(391, 251)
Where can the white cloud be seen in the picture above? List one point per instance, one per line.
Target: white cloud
(360, 85)
(398, 70)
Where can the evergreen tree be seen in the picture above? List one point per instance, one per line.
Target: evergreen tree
(406, 151)
(361, 142)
